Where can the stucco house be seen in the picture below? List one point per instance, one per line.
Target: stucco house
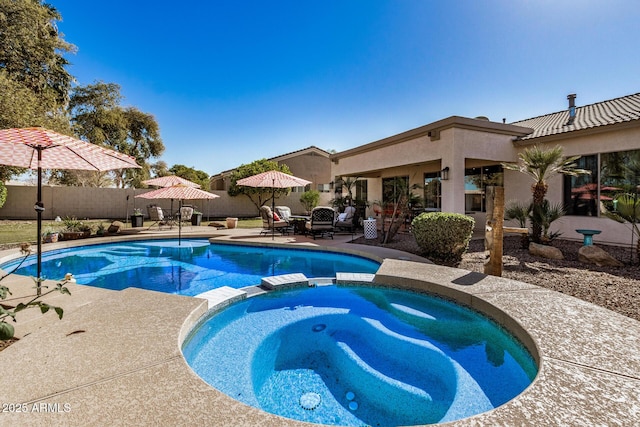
(311, 163)
(452, 160)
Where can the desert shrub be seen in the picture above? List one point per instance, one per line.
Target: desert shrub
(443, 237)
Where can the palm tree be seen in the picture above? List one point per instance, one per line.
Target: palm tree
(540, 165)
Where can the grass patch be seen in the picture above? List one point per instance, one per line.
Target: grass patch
(14, 232)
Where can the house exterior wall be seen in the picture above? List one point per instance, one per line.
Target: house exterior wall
(311, 163)
(416, 156)
(310, 166)
(460, 147)
(617, 138)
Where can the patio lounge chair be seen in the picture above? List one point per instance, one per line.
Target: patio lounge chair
(321, 223)
(268, 221)
(284, 212)
(156, 215)
(186, 212)
(347, 220)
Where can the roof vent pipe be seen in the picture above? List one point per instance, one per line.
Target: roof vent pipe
(572, 104)
(572, 108)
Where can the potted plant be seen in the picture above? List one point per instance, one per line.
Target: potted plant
(75, 229)
(101, 230)
(196, 218)
(50, 236)
(137, 219)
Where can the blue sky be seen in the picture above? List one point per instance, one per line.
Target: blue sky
(234, 81)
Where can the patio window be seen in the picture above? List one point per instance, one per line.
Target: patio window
(581, 192)
(432, 191)
(392, 189)
(611, 174)
(475, 182)
(361, 190)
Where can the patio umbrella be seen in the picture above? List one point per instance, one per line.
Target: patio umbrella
(180, 192)
(272, 179)
(39, 148)
(170, 181)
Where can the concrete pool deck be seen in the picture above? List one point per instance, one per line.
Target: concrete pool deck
(115, 359)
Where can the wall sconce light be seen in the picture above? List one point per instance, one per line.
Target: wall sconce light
(444, 174)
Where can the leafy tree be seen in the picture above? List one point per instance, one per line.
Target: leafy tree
(258, 196)
(3, 194)
(31, 49)
(99, 118)
(193, 175)
(160, 168)
(540, 165)
(34, 84)
(81, 178)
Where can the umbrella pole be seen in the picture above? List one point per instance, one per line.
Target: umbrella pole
(39, 207)
(273, 209)
(179, 221)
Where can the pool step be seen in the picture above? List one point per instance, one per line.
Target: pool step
(285, 281)
(223, 296)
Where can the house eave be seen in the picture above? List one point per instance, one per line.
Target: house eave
(576, 133)
(433, 131)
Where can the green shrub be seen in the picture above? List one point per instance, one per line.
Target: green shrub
(310, 199)
(443, 237)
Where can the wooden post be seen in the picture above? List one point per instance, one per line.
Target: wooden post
(494, 230)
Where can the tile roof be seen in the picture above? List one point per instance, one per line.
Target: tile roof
(618, 110)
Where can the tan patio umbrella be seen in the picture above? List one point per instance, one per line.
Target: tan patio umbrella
(273, 180)
(170, 181)
(39, 148)
(180, 192)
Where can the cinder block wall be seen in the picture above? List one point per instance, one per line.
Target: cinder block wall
(115, 203)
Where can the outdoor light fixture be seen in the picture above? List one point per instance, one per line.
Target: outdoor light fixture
(444, 174)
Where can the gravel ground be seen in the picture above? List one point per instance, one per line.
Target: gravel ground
(615, 288)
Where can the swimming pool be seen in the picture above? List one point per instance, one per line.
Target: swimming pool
(356, 355)
(191, 268)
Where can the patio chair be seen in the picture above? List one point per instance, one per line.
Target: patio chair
(347, 220)
(268, 221)
(321, 223)
(156, 215)
(186, 212)
(284, 212)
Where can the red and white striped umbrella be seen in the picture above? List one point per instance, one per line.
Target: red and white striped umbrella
(170, 181)
(20, 147)
(179, 191)
(39, 148)
(273, 179)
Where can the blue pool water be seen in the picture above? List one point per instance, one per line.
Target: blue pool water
(193, 267)
(355, 355)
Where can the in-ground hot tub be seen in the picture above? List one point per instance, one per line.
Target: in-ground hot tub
(354, 355)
